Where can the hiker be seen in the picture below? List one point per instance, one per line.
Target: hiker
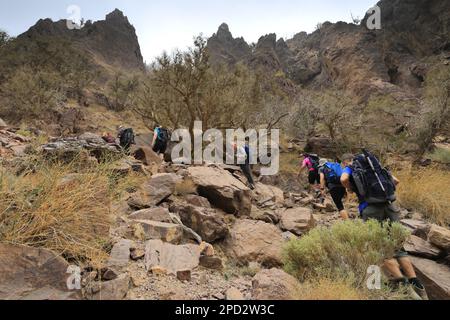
(375, 188)
(161, 137)
(243, 160)
(330, 177)
(108, 138)
(126, 138)
(311, 163)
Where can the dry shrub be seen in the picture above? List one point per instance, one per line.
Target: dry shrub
(427, 191)
(61, 207)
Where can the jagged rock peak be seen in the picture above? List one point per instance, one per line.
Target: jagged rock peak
(224, 28)
(116, 15)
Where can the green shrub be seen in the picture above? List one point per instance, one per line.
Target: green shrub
(344, 251)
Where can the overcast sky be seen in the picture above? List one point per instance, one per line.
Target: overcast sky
(165, 25)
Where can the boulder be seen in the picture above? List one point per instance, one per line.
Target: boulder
(210, 225)
(421, 248)
(258, 241)
(222, 190)
(440, 237)
(213, 262)
(321, 145)
(112, 290)
(266, 193)
(197, 201)
(154, 214)
(418, 228)
(146, 155)
(436, 278)
(266, 215)
(297, 220)
(154, 230)
(120, 255)
(274, 284)
(171, 257)
(31, 273)
(155, 191)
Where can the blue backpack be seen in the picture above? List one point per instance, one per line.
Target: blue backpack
(333, 172)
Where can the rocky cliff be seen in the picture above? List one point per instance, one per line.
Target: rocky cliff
(112, 41)
(414, 35)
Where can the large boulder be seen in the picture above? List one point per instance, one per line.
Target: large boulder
(421, 248)
(155, 191)
(207, 222)
(274, 284)
(297, 220)
(222, 190)
(30, 273)
(172, 258)
(440, 237)
(436, 278)
(255, 241)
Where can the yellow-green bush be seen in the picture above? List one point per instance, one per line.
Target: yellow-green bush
(343, 251)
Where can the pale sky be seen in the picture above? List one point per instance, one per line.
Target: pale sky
(166, 25)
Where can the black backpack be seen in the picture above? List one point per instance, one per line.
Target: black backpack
(163, 135)
(127, 138)
(372, 181)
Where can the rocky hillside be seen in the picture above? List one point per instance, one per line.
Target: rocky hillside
(187, 232)
(112, 41)
(393, 60)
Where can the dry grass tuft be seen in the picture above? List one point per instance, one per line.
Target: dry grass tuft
(427, 191)
(326, 289)
(61, 207)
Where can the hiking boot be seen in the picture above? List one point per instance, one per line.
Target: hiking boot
(411, 291)
(403, 285)
(419, 288)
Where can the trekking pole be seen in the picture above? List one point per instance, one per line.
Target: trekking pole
(367, 156)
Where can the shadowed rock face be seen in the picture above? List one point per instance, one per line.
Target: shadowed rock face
(351, 56)
(112, 40)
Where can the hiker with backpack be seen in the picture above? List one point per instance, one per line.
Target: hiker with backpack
(311, 163)
(375, 188)
(243, 160)
(126, 138)
(330, 177)
(161, 137)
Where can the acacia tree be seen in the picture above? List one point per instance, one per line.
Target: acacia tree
(183, 88)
